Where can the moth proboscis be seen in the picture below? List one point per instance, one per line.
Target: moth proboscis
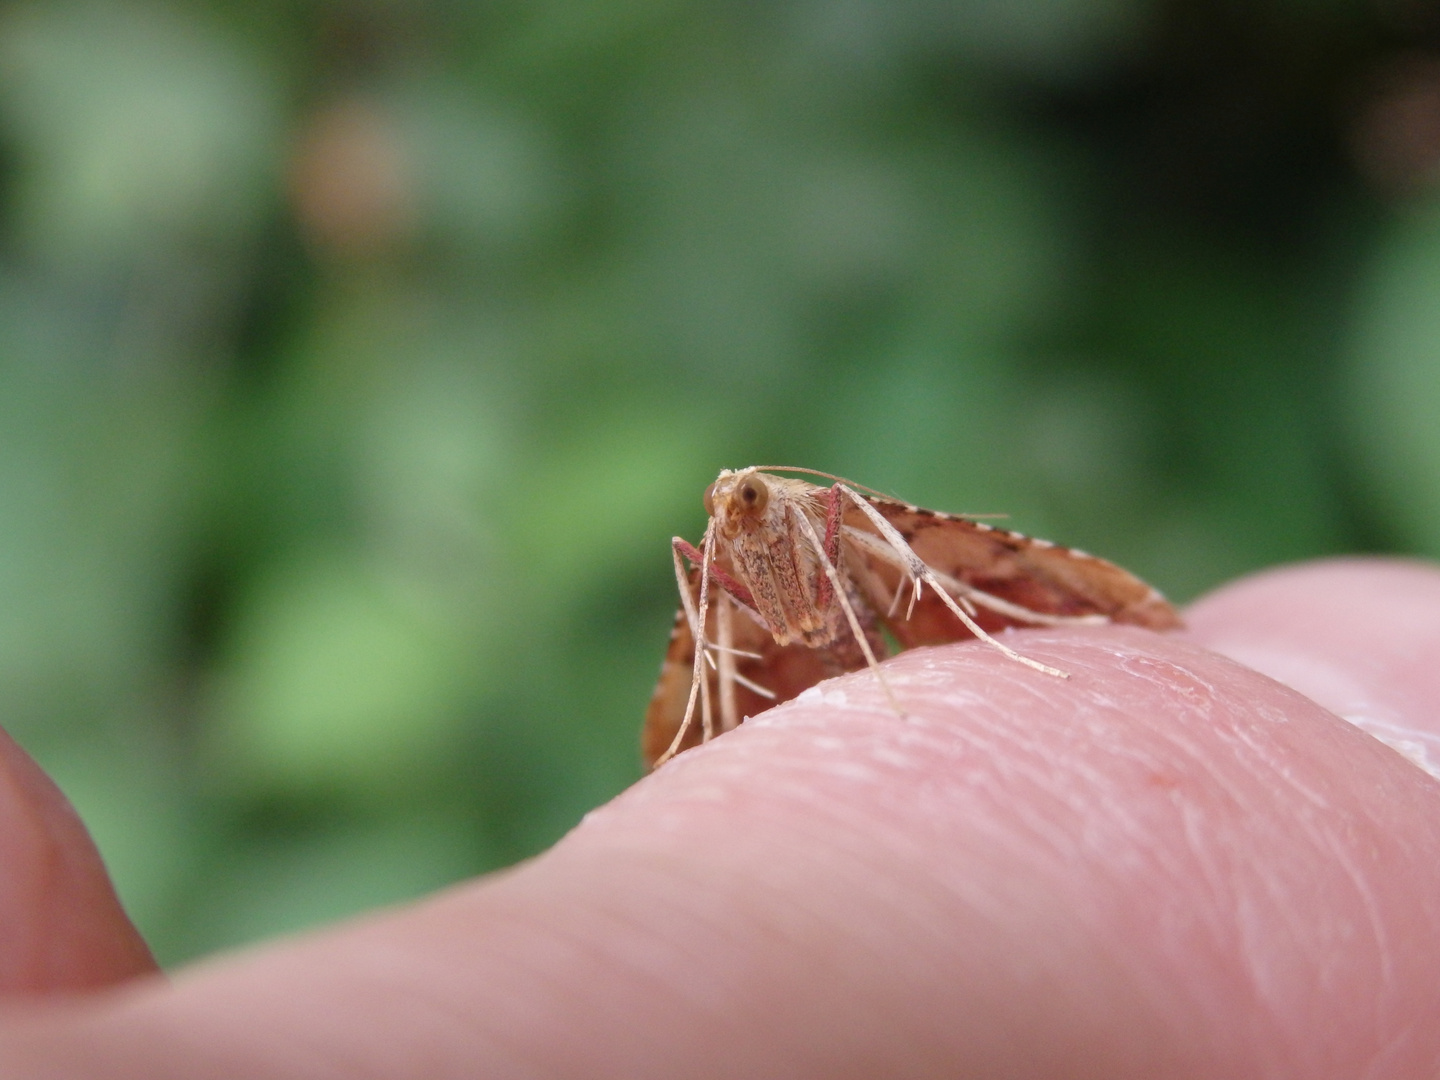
(797, 580)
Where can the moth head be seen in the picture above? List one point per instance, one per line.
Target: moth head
(736, 497)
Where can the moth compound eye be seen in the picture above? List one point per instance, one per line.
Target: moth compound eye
(709, 500)
(753, 494)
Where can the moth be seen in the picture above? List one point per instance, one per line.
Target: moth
(794, 583)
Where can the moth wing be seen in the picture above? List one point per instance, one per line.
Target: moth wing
(784, 670)
(1036, 575)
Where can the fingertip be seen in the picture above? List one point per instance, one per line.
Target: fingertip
(1352, 598)
(1357, 635)
(64, 929)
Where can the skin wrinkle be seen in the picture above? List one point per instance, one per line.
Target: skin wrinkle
(810, 809)
(1002, 757)
(996, 752)
(1386, 1060)
(625, 943)
(1265, 765)
(1362, 889)
(1132, 829)
(1041, 753)
(531, 949)
(1037, 817)
(785, 925)
(1213, 860)
(1326, 839)
(1267, 762)
(1039, 773)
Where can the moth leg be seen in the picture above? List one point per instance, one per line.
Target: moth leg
(725, 672)
(980, 598)
(681, 546)
(707, 712)
(884, 553)
(895, 600)
(695, 615)
(725, 650)
(920, 571)
(965, 594)
(682, 582)
(755, 687)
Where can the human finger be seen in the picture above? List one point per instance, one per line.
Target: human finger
(63, 927)
(1359, 636)
(1166, 865)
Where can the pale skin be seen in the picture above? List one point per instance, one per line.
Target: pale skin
(1165, 866)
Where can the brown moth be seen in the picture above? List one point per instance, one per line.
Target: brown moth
(793, 583)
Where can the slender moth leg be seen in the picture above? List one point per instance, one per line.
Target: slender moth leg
(682, 582)
(723, 579)
(707, 709)
(720, 656)
(699, 680)
(725, 673)
(966, 595)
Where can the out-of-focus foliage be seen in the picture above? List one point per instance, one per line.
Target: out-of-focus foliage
(358, 360)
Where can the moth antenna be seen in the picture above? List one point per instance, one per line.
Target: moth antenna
(699, 682)
(842, 481)
(855, 628)
(920, 570)
(845, 481)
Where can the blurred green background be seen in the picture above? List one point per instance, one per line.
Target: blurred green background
(358, 360)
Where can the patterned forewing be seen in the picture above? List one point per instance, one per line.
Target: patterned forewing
(1033, 574)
